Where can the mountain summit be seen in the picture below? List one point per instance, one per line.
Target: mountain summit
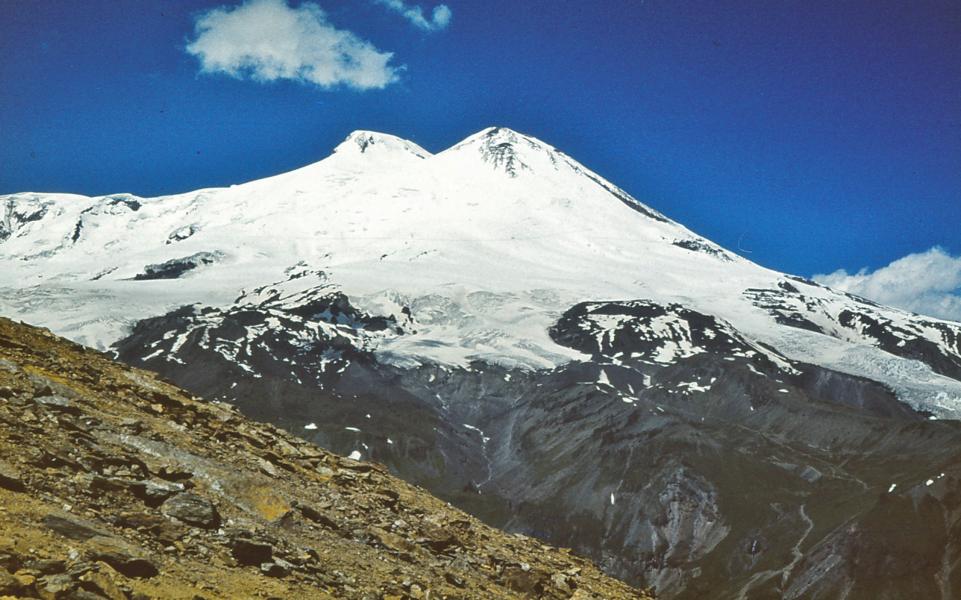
(502, 325)
(370, 142)
(509, 151)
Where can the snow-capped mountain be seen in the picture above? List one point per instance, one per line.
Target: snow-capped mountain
(502, 232)
(503, 325)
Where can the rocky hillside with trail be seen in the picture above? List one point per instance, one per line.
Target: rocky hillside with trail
(114, 484)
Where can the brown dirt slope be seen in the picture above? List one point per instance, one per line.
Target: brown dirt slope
(116, 485)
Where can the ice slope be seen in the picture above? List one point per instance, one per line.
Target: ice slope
(487, 243)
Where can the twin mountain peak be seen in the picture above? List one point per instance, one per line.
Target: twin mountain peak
(507, 150)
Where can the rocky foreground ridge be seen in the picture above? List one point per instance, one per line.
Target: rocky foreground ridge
(114, 484)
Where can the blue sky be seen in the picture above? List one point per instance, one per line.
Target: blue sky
(818, 135)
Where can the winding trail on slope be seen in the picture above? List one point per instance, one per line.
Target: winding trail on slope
(796, 551)
(756, 579)
(785, 572)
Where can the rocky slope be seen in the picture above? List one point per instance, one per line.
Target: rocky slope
(114, 484)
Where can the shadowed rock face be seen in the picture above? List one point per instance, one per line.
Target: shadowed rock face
(934, 343)
(117, 485)
(15, 217)
(174, 268)
(679, 454)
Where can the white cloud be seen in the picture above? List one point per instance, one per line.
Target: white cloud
(438, 19)
(267, 40)
(927, 283)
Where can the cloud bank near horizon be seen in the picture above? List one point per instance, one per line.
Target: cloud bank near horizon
(925, 282)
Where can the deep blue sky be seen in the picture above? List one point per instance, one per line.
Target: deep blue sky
(817, 134)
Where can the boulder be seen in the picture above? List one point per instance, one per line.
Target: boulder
(10, 585)
(105, 581)
(72, 528)
(126, 559)
(155, 491)
(250, 552)
(57, 403)
(46, 566)
(192, 510)
(10, 477)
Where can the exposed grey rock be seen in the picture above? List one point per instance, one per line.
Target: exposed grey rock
(132, 425)
(57, 403)
(191, 509)
(155, 491)
(10, 477)
(72, 527)
(125, 559)
(47, 566)
(810, 474)
(277, 568)
(181, 233)
(174, 268)
(56, 586)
